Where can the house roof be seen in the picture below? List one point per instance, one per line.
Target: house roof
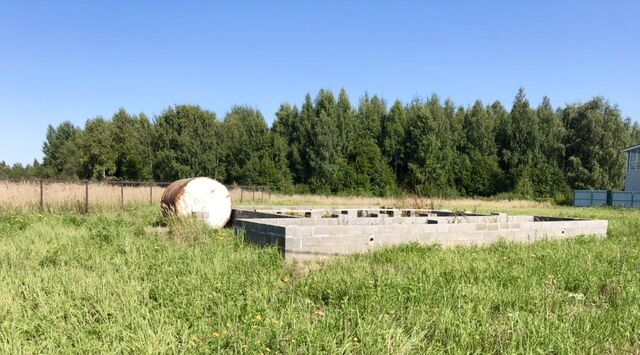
(631, 148)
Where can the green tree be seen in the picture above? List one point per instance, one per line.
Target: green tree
(347, 124)
(595, 135)
(547, 175)
(255, 155)
(62, 154)
(99, 148)
(480, 172)
(431, 153)
(133, 153)
(188, 142)
(635, 133)
(366, 170)
(292, 131)
(325, 158)
(521, 150)
(371, 112)
(393, 129)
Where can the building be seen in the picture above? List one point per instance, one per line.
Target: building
(632, 182)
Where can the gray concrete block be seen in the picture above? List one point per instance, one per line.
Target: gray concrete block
(322, 237)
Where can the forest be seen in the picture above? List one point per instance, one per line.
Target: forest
(328, 145)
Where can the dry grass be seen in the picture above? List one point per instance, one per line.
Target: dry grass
(26, 194)
(402, 202)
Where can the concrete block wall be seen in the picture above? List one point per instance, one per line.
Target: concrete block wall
(261, 233)
(310, 238)
(308, 242)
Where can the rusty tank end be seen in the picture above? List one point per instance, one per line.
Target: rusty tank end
(171, 196)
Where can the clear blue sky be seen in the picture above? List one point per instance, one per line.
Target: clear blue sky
(73, 60)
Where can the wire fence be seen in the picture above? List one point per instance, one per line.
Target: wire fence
(86, 195)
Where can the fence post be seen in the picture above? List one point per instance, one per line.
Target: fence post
(41, 195)
(121, 194)
(241, 194)
(262, 196)
(86, 196)
(150, 193)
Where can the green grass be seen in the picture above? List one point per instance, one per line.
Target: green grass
(111, 282)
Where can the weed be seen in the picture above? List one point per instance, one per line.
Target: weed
(120, 281)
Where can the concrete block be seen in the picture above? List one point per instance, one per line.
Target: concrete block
(327, 242)
(299, 231)
(313, 237)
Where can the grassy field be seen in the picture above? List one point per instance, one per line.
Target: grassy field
(112, 282)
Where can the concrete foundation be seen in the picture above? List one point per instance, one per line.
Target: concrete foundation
(306, 233)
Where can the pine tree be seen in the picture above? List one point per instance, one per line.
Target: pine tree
(431, 153)
(326, 160)
(479, 165)
(393, 128)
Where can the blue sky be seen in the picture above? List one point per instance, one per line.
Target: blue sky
(75, 60)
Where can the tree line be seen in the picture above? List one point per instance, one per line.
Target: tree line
(329, 145)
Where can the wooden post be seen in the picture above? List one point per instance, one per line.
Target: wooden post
(150, 193)
(262, 196)
(121, 194)
(86, 196)
(253, 196)
(241, 194)
(41, 195)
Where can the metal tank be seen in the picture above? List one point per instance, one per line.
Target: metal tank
(200, 197)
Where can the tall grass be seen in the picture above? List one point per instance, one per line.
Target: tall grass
(71, 195)
(406, 201)
(60, 195)
(117, 281)
(56, 195)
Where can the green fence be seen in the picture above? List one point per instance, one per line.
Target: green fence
(625, 199)
(589, 198)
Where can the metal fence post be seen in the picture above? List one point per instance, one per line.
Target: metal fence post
(253, 196)
(41, 195)
(86, 196)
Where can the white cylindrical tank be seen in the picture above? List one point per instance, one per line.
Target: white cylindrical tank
(201, 197)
